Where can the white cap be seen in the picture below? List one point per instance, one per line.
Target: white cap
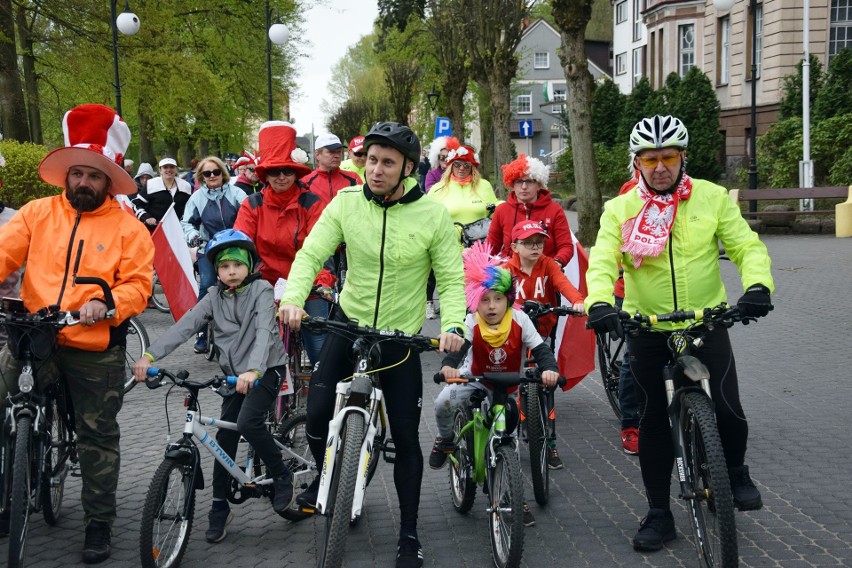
(329, 141)
(167, 162)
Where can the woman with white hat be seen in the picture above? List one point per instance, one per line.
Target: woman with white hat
(155, 198)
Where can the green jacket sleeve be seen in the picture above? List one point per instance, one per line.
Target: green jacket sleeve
(743, 246)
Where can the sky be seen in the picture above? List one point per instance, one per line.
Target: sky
(331, 26)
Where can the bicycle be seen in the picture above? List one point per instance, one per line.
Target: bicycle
(699, 456)
(610, 354)
(487, 454)
(357, 432)
(38, 421)
(169, 507)
(158, 296)
(136, 344)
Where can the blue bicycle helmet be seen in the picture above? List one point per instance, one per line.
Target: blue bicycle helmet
(228, 238)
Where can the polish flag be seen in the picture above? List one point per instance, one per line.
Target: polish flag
(575, 345)
(173, 264)
(126, 204)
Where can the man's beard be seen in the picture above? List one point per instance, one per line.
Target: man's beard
(84, 198)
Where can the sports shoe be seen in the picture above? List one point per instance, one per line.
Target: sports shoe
(430, 311)
(656, 529)
(201, 343)
(746, 495)
(440, 451)
(409, 553)
(529, 519)
(97, 545)
(630, 440)
(218, 519)
(553, 461)
(308, 498)
(283, 494)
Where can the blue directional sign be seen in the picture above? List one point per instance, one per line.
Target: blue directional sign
(525, 128)
(443, 127)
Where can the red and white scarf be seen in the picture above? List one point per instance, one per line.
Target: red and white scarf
(647, 233)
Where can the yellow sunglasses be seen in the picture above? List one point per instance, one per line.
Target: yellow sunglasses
(668, 160)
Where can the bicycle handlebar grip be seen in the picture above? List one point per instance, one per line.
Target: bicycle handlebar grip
(232, 381)
(458, 381)
(108, 299)
(438, 378)
(154, 379)
(560, 382)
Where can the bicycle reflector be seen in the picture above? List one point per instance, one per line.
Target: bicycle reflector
(26, 381)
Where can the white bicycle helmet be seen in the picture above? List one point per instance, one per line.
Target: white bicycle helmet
(658, 132)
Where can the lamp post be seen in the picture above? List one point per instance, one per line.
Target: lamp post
(278, 34)
(127, 23)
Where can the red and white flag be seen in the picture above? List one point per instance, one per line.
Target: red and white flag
(126, 204)
(174, 265)
(575, 345)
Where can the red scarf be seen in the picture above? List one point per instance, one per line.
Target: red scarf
(647, 233)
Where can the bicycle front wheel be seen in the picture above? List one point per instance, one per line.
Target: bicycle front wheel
(22, 483)
(298, 458)
(137, 344)
(506, 516)
(55, 469)
(536, 434)
(609, 366)
(167, 515)
(462, 486)
(158, 297)
(338, 509)
(711, 505)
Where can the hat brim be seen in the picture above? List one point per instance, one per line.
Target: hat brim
(53, 169)
(334, 146)
(529, 233)
(301, 169)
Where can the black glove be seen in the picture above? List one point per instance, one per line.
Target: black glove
(755, 302)
(195, 242)
(603, 318)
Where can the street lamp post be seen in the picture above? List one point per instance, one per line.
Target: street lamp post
(127, 23)
(752, 164)
(278, 34)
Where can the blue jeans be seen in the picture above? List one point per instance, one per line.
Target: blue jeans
(208, 278)
(627, 387)
(316, 308)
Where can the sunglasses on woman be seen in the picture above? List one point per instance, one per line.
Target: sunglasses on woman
(462, 165)
(211, 173)
(275, 172)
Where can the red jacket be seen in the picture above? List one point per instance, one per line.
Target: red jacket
(327, 184)
(559, 246)
(541, 285)
(278, 223)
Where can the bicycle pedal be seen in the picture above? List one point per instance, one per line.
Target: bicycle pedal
(389, 451)
(75, 472)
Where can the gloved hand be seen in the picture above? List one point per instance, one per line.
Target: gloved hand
(755, 302)
(603, 318)
(195, 242)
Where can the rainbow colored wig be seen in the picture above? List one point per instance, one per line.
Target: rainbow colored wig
(482, 274)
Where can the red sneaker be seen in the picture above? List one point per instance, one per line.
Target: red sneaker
(630, 440)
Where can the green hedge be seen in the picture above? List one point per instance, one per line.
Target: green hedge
(20, 176)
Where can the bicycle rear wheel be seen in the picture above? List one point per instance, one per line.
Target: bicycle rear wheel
(22, 484)
(609, 365)
(56, 455)
(338, 510)
(506, 518)
(462, 486)
(712, 505)
(536, 436)
(298, 458)
(167, 515)
(158, 297)
(137, 344)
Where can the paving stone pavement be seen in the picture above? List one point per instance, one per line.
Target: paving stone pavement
(795, 386)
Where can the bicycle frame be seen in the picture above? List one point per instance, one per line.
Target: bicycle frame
(488, 432)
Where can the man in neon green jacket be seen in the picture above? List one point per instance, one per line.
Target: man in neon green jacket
(665, 233)
(393, 238)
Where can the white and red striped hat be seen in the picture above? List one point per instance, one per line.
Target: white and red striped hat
(95, 136)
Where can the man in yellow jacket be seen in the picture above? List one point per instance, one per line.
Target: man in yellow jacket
(84, 232)
(665, 233)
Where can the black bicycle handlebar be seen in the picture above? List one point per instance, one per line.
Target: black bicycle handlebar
(723, 314)
(419, 342)
(155, 376)
(529, 375)
(536, 310)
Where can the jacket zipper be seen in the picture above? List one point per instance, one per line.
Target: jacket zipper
(672, 268)
(381, 267)
(68, 257)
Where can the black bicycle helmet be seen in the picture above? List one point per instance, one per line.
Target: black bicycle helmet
(396, 136)
(228, 238)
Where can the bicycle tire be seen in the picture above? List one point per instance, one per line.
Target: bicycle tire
(212, 352)
(55, 467)
(506, 519)
(338, 510)
(170, 505)
(712, 511)
(291, 434)
(158, 296)
(136, 345)
(536, 436)
(610, 371)
(462, 486)
(19, 510)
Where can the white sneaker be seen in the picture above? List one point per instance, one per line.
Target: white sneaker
(430, 311)
(436, 305)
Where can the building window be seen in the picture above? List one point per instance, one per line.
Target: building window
(687, 47)
(523, 103)
(637, 64)
(541, 60)
(559, 95)
(723, 48)
(638, 24)
(621, 63)
(840, 35)
(621, 12)
(758, 41)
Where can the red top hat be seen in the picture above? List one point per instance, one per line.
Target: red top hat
(460, 153)
(277, 146)
(95, 136)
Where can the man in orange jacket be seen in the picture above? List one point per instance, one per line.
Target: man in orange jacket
(84, 232)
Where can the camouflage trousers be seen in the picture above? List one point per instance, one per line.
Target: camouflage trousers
(95, 381)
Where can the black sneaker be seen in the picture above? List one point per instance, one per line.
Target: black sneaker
(553, 461)
(746, 495)
(283, 496)
(529, 518)
(308, 498)
(409, 553)
(218, 519)
(97, 545)
(201, 345)
(440, 450)
(656, 529)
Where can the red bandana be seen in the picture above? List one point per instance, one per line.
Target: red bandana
(647, 233)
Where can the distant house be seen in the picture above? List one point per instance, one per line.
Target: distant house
(540, 86)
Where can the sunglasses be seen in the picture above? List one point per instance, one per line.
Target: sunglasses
(668, 160)
(462, 165)
(359, 154)
(275, 172)
(250, 169)
(524, 181)
(211, 173)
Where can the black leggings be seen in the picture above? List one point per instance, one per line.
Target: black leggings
(249, 412)
(648, 356)
(402, 386)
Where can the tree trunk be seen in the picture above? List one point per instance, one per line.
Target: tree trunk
(486, 130)
(146, 144)
(30, 78)
(454, 91)
(187, 152)
(13, 116)
(204, 147)
(500, 121)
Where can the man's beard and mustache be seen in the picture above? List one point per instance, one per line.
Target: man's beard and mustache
(84, 198)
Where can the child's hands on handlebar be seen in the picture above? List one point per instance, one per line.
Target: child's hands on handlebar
(450, 372)
(245, 381)
(549, 378)
(140, 367)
